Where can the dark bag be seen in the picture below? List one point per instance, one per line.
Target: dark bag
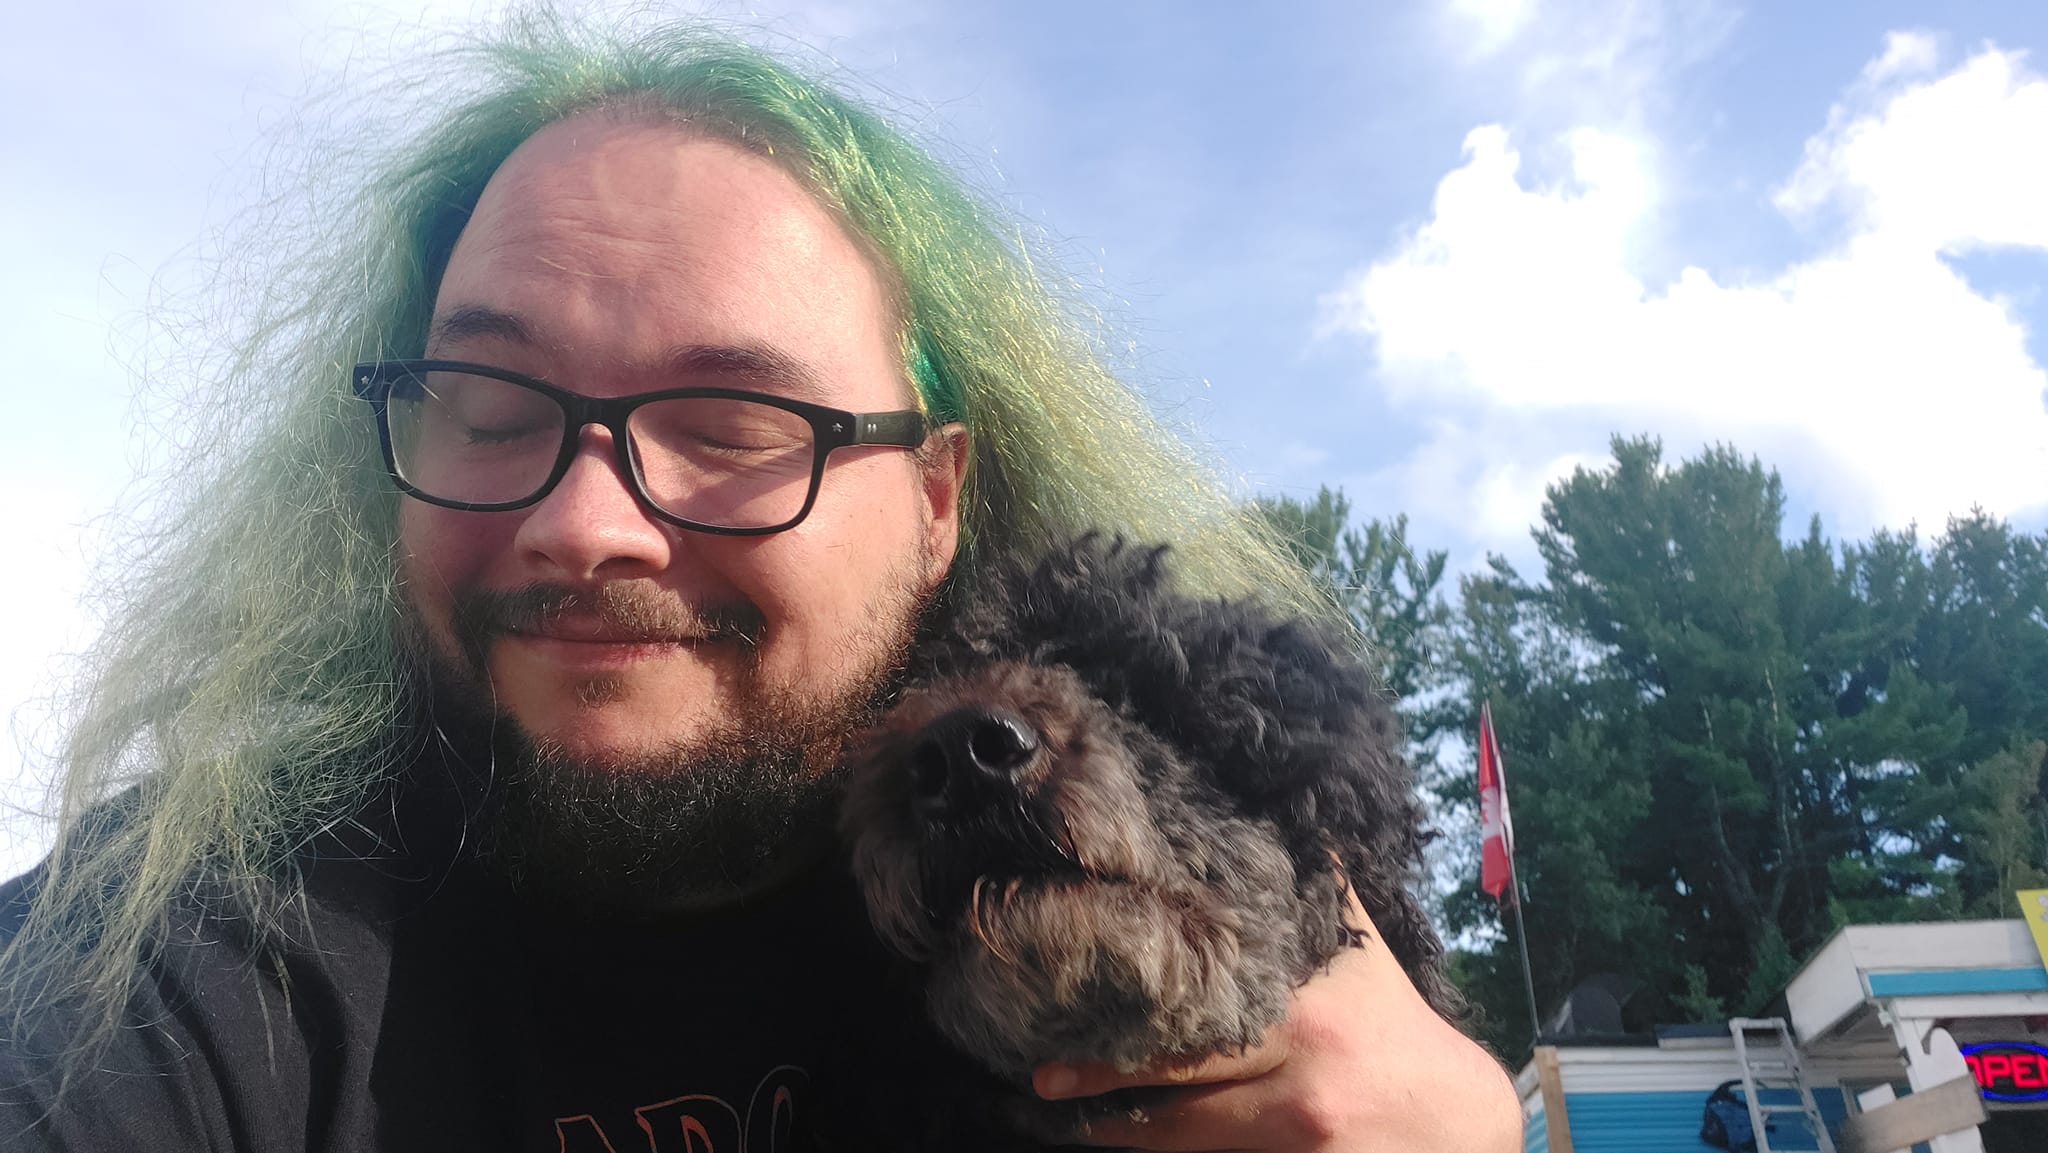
(1724, 1123)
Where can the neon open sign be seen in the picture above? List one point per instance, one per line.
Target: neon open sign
(2009, 1070)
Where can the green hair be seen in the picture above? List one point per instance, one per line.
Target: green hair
(248, 691)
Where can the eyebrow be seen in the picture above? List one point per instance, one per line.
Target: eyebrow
(747, 365)
(738, 365)
(475, 320)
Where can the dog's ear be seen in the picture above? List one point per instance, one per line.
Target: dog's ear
(1285, 717)
(1292, 722)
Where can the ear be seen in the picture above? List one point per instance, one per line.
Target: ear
(942, 469)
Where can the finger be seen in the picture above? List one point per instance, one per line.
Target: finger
(1057, 1081)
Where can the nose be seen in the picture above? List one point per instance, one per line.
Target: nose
(591, 527)
(970, 753)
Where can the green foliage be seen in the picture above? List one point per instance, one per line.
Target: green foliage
(1698, 1005)
(1372, 573)
(1771, 968)
(2001, 822)
(1721, 744)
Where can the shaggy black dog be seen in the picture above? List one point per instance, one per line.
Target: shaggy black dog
(1114, 823)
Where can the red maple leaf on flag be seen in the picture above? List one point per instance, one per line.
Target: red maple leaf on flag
(1496, 833)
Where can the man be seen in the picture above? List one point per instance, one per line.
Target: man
(471, 791)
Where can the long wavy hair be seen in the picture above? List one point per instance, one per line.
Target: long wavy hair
(247, 692)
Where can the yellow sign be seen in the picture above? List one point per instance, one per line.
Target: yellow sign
(2034, 907)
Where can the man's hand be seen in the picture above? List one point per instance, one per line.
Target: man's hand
(1361, 1063)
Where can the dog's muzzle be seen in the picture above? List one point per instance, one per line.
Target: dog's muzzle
(969, 758)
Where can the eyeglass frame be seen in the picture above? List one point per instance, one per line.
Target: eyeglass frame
(831, 429)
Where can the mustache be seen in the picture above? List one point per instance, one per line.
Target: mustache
(634, 608)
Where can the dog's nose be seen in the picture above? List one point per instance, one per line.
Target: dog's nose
(970, 749)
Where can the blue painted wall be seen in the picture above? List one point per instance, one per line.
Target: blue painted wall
(1535, 1134)
(1948, 982)
(1666, 1122)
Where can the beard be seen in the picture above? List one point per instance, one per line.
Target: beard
(705, 821)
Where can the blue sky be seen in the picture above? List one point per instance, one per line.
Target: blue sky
(1435, 253)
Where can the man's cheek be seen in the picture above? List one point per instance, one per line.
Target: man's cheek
(441, 552)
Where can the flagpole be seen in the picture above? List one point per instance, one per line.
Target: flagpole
(1528, 981)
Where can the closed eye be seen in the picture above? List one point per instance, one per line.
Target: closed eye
(482, 435)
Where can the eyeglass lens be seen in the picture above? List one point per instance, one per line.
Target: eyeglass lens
(718, 461)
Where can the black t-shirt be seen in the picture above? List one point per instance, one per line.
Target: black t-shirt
(432, 1010)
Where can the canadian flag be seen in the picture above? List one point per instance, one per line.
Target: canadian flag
(1496, 833)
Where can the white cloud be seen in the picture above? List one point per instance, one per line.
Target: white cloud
(1494, 22)
(1502, 273)
(1458, 475)
(1905, 54)
(1589, 62)
(1950, 165)
(1521, 309)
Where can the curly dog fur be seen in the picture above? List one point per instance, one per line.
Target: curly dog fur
(1114, 823)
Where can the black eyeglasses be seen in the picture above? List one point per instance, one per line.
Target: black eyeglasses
(719, 460)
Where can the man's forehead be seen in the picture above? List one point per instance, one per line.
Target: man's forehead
(756, 366)
(663, 258)
(652, 181)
